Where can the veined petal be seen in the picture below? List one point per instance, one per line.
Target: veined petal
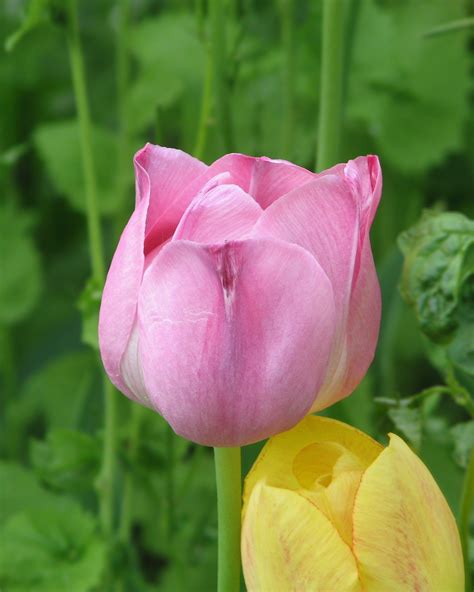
(234, 338)
(289, 545)
(162, 177)
(221, 213)
(120, 297)
(264, 179)
(331, 217)
(278, 462)
(160, 174)
(405, 536)
(131, 371)
(322, 217)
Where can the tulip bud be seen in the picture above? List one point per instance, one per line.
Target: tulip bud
(242, 295)
(328, 508)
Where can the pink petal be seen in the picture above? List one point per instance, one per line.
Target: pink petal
(362, 330)
(217, 214)
(331, 217)
(263, 178)
(234, 338)
(321, 217)
(162, 176)
(120, 296)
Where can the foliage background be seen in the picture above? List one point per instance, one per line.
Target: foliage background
(408, 98)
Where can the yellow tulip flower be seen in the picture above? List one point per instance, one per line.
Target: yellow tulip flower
(326, 508)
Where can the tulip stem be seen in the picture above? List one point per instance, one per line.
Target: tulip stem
(123, 75)
(229, 497)
(105, 484)
(85, 133)
(467, 503)
(220, 61)
(331, 93)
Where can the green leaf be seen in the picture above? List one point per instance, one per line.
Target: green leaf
(171, 60)
(433, 280)
(56, 394)
(461, 350)
(53, 549)
(144, 99)
(37, 14)
(192, 576)
(13, 154)
(21, 491)
(89, 305)
(170, 43)
(463, 436)
(408, 421)
(152, 451)
(67, 460)
(21, 281)
(402, 82)
(58, 145)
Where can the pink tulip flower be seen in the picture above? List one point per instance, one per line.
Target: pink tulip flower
(242, 295)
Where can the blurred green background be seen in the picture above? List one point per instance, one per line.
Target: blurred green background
(408, 98)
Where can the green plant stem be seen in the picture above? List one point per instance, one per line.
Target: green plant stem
(451, 27)
(123, 75)
(287, 37)
(467, 504)
(220, 62)
(332, 71)
(85, 131)
(127, 499)
(229, 496)
(460, 395)
(8, 368)
(106, 480)
(105, 485)
(204, 116)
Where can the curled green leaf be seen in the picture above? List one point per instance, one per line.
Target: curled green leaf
(438, 273)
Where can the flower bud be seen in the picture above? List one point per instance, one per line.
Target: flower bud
(328, 508)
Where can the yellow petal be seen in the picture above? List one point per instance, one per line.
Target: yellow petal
(405, 536)
(278, 463)
(341, 495)
(289, 545)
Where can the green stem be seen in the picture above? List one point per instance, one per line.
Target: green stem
(229, 497)
(287, 34)
(467, 504)
(123, 75)
(85, 132)
(108, 460)
(460, 395)
(332, 70)
(220, 62)
(451, 27)
(7, 366)
(127, 499)
(205, 109)
(96, 252)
